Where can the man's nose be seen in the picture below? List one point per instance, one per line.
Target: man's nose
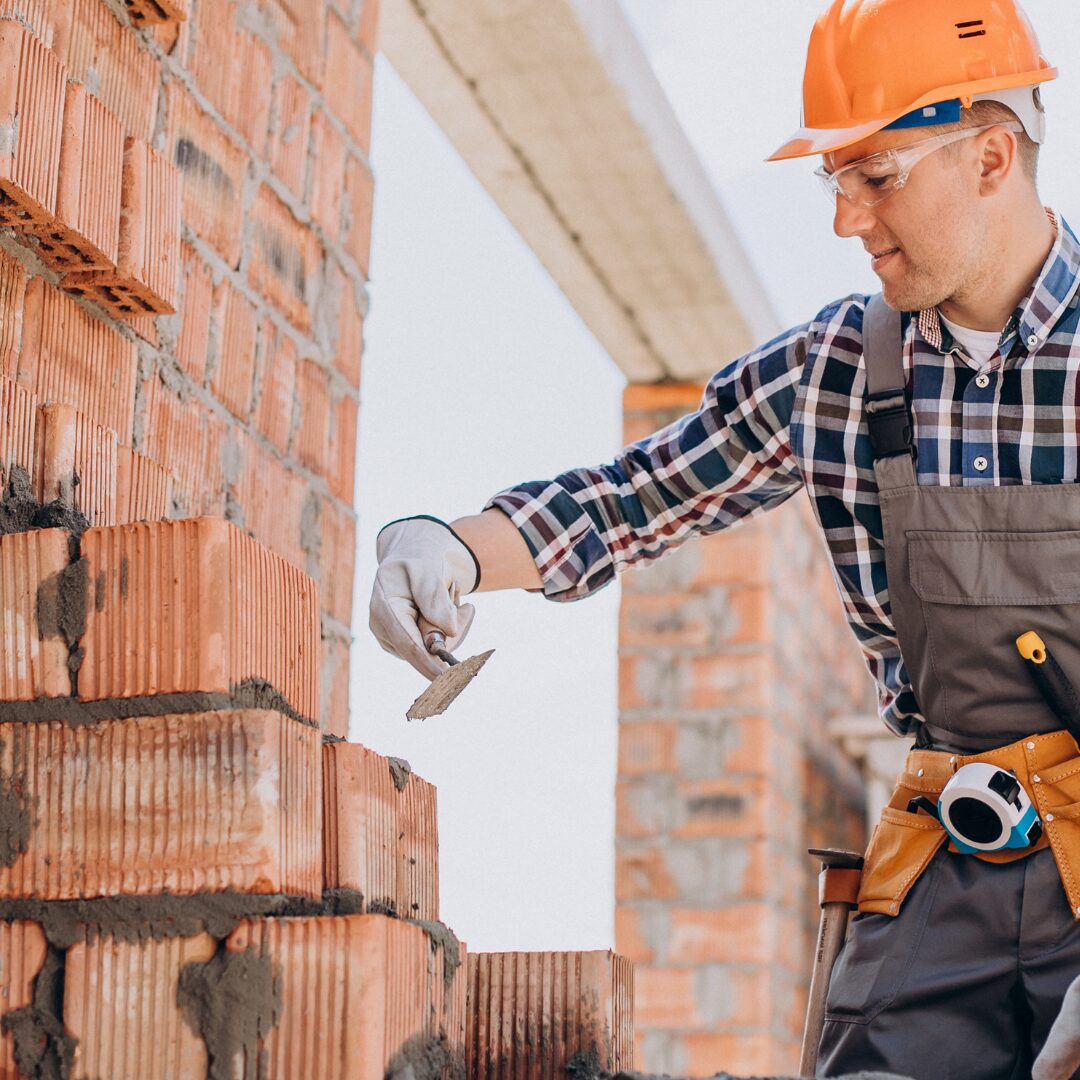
(852, 220)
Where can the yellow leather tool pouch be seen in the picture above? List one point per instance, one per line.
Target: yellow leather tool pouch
(902, 845)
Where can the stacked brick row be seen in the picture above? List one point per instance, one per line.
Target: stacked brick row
(164, 156)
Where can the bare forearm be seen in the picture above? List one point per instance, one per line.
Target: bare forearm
(504, 557)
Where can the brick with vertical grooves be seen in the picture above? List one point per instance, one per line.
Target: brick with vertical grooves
(22, 955)
(277, 385)
(236, 323)
(12, 299)
(34, 658)
(198, 802)
(86, 232)
(120, 1004)
(78, 463)
(193, 342)
(18, 430)
(154, 12)
(374, 982)
(31, 118)
(352, 100)
(146, 277)
(569, 1002)
(378, 840)
(196, 606)
(143, 487)
(68, 356)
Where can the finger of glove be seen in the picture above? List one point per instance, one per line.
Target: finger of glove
(393, 622)
(466, 613)
(432, 598)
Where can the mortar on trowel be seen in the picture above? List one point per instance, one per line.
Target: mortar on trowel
(446, 686)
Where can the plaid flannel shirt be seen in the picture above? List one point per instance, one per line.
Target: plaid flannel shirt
(790, 415)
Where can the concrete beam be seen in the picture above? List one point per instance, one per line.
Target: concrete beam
(554, 107)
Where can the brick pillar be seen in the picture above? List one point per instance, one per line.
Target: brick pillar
(733, 654)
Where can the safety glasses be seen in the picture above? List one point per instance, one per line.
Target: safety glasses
(871, 180)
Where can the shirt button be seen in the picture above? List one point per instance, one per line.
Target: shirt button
(1033, 341)
(982, 381)
(980, 464)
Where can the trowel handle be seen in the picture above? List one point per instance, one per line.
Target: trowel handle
(435, 641)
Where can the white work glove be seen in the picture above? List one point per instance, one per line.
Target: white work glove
(1060, 1057)
(424, 568)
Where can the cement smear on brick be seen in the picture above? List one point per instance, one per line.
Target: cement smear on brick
(61, 608)
(233, 1000)
(16, 818)
(20, 510)
(250, 694)
(43, 1049)
(143, 918)
(426, 1058)
(400, 771)
(442, 937)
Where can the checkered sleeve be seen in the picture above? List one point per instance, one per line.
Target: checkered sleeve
(721, 464)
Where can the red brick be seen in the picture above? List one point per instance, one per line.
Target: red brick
(375, 984)
(155, 12)
(12, 298)
(78, 463)
(369, 21)
(742, 934)
(68, 356)
(379, 840)
(186, 435)
(337, 560)
(328, 174)
(213, 169)
(232, 379)
(31, 113)
(342, 477)
(664, 998)
(34, 660)
(724, 806)
(210, 50)
(124, 74)
(291, 134)
(350, 339)
(569, 1003)
(352, 74)
(756, 1053)
(335, 684)
(311, 438)
(146, 277)
(18, 431)
(193, 343)
(22, 956)
(196, 606)
(630, 939)
(37, 15)
(271, 497)
(663, 620)
(248, 107)
(285, 259)
(120, 1004)
(86, 232)
(143, 487)
(300, 30)
(647, 748)
(198, 802)
(642, 874)
(359, 196)
(275, 389)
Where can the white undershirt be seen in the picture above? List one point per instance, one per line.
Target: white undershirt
(980, 345)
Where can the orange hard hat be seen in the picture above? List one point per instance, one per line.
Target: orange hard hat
(872, 63)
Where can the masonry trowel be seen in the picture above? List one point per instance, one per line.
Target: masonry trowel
(446, 686)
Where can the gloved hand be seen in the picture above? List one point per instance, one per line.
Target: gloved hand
(424, 568)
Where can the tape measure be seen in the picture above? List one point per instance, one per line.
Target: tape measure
(985, 808)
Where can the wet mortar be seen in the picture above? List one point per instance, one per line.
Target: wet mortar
(43, 1049)
(426, 1058)
(20, 510)
(232, 1000)
(400, 771)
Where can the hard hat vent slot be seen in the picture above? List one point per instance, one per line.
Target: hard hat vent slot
(968, 27)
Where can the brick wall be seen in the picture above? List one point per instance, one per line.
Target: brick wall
(187, 255)
(733, 654)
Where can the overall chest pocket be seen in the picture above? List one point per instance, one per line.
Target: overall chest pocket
(977, 593)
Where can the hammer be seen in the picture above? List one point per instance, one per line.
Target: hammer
(838, 891)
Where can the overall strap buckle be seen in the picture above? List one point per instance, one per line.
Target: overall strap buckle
(888, 419)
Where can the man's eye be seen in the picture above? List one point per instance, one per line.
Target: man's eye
(876, 181)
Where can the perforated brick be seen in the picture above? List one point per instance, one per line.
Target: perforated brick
(376, 985)
(22, 955)
(86, 231)
(380, 839)
(31, 116)
(196, 606)
(197, 802)
(152, 12)
(77, 463)
(570, 1003)
(143, 487)
(18, 428)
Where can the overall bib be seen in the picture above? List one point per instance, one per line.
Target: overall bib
(956, 965)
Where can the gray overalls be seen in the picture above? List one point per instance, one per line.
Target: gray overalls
(965, 981)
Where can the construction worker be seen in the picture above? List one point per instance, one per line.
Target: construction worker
(936, 434)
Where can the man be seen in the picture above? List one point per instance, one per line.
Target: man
(942, 464)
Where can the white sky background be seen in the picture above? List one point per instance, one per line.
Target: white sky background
(478, 374)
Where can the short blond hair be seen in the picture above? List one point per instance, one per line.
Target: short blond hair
(982, 113)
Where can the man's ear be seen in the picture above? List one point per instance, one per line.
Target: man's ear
(998, 156)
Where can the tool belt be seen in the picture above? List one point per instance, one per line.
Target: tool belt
(903, 843)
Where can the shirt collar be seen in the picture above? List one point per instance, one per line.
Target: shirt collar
(1039, 312)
